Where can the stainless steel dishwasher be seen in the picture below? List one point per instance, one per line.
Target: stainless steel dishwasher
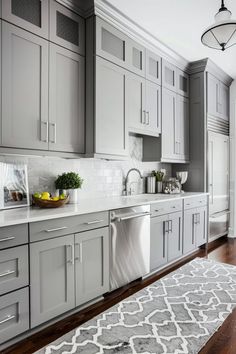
(130, 245)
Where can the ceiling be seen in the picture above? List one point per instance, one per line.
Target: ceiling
(179, 24)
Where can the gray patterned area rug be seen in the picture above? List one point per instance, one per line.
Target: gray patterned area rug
(177, 314)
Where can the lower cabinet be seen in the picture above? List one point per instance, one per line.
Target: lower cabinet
(14, 314)
(166, 239)
(195, 228)
(51, 278)
(66, 272)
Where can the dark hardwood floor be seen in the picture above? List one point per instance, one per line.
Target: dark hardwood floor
(223, 342)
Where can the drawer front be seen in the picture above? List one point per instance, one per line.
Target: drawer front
(14, 271)
(195, 202)
(167, 207)
(64, 226)
(14, 314)
(13, 235)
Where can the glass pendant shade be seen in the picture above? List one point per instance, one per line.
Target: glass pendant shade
(222, 34)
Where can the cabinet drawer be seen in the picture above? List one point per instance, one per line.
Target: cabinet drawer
(195, 202)
(13, 269)
(59, 227)
(14, 314)
(13, 235)
(167, 207)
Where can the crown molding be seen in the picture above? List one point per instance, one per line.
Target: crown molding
(207, 64)
(116, 18)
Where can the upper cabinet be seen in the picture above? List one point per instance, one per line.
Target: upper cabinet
(136, 58)
(169, 76)
(175, 127)
(153, 67)
(217, 98)
(67, 28)
(25, 94)
(182, 83)
(30, 15)
(66, 100)
(110, 130)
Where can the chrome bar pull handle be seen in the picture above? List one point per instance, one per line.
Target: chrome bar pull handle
(56, 229)
(8, 318)
(44, 125)
(7, 238)
(8, 272)
(93, 222)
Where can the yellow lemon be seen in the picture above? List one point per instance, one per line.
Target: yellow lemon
(45, 195)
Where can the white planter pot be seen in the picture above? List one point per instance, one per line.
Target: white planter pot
(73, 196)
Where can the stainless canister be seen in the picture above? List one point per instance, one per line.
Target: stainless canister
(151, 184)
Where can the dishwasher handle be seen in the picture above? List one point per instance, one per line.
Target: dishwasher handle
(133, 216)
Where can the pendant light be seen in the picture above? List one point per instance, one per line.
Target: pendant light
(222, 34)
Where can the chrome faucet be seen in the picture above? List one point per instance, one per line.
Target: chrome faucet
(126, 180)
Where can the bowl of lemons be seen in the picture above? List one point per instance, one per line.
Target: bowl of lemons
(46, 200)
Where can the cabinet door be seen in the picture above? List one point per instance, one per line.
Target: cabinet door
(169, 76)
(66, 100)
(175, 236)
(67, 28)
(189, 240)
(14, 314)
(135, 103)
(30, 15)
(135, 57)
(182, 128)
(158, 242)
(182, 83)
(111, 44)
(110, 130)
(51, 278)
(14, 272)
(25, 94)
(213, 95)
(201, 226)
(91, 264)
(153, 67)
(168, 125)
(224, 102)
(153, 108)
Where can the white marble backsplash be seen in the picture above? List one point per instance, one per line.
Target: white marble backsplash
(101, 177)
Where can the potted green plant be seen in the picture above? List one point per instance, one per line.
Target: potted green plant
(71, 182)
(159, 180)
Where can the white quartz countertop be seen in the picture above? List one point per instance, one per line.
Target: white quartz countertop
(33, 214)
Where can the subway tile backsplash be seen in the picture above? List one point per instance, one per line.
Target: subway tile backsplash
(101, 177)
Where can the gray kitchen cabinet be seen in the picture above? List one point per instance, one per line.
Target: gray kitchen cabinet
(189, 241)
(143, 105)
(158, 241)
(153, 108)
(13, 235)
(182, 128)
(91, 264)
(175, 236)
(135, 57)
(153, 67)
(195, 228)
(67, 28)
(169, 76)
(168, 145)
(51, 278)
(66, 100)
(182, 83)
(111, 43)
(111, 134)
(25, 94)
(175, 127)
(14, 272)
(29, 15)
(14, 314)
(201, 226)
(217, 98)
(135, 103)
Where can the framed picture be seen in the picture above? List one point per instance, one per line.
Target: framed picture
(14, 189)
